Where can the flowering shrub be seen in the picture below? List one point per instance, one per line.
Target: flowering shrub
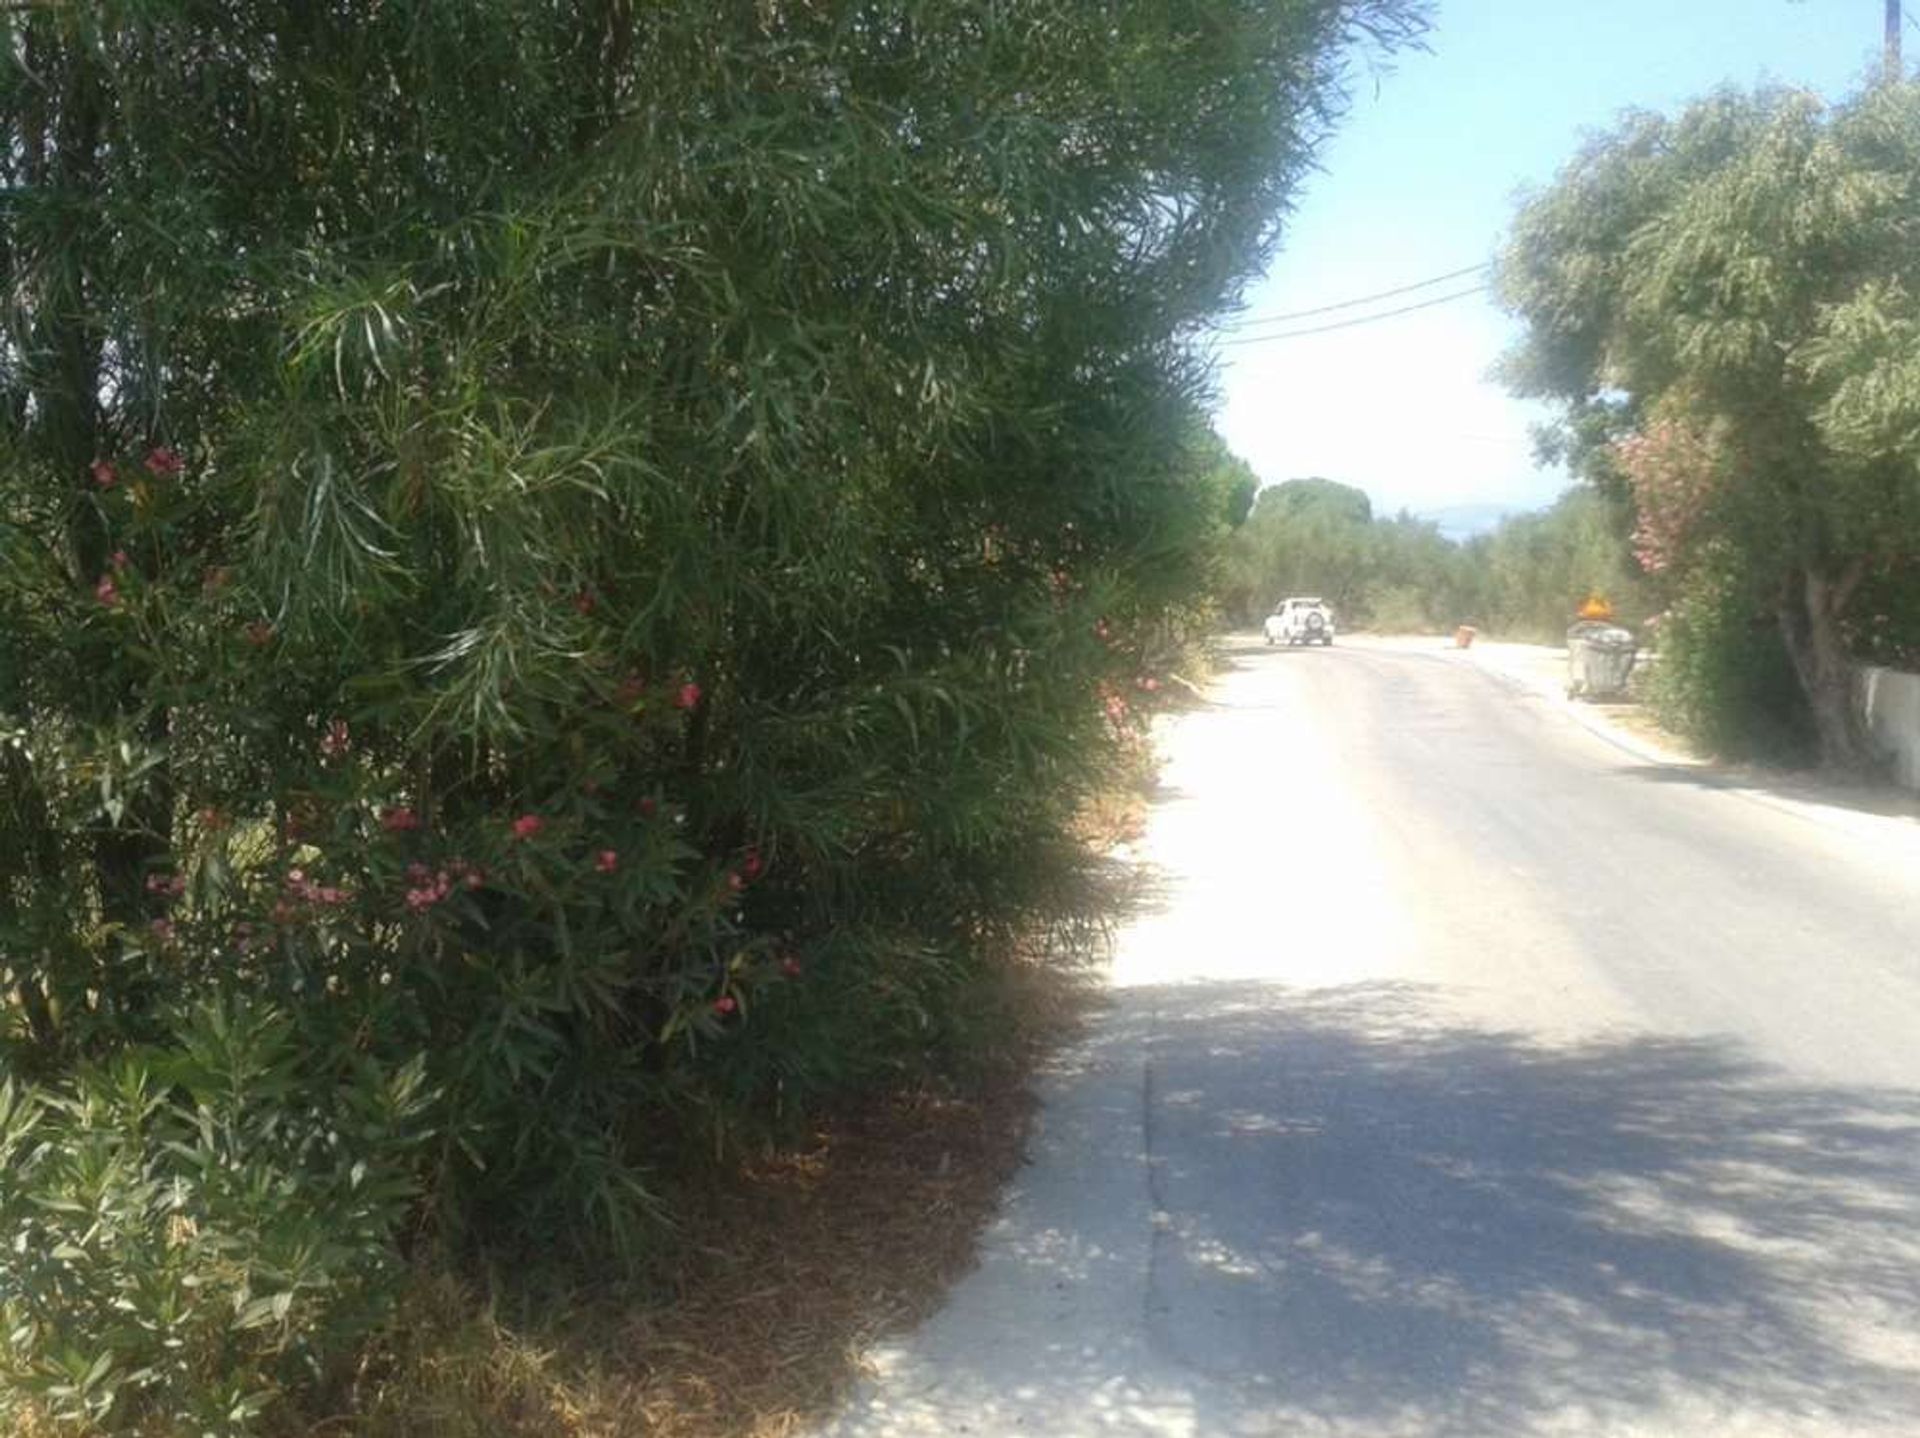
(612, 597)
(1675, 472)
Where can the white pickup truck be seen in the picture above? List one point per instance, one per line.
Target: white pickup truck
(1301, 620)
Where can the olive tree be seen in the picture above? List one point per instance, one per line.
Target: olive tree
(1726, 300)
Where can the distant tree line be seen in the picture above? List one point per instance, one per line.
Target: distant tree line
(1525, 578)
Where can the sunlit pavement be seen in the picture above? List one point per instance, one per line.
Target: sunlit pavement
(1462, 1075)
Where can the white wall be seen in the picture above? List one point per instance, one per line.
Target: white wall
(1891, 702)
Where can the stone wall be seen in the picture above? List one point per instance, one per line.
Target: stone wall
(1890, 700)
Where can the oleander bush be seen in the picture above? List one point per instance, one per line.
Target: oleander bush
(581, 561)
(190, 1231)
(1724, 678)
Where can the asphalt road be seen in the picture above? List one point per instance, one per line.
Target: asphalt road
(1462, 1075)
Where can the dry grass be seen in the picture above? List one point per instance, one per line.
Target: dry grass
(1639, 720)
(792, 1264)
(819, 1253)
(1118, 818)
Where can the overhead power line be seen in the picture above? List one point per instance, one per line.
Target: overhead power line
(1357, 320)
(1251, 320)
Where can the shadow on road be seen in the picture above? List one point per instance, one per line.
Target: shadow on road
(1373, 1219)
(1456, 1230)
(1247, 655)
(1863, 797)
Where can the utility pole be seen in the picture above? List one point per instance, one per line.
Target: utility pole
(1892, 70)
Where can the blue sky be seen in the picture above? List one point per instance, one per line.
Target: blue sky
(1424, 176)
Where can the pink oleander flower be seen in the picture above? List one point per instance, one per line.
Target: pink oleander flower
(337, 740)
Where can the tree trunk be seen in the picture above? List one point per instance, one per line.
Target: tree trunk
(1810, 611)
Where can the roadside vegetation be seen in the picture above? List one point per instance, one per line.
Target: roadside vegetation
(568, 578)
(1725, 305)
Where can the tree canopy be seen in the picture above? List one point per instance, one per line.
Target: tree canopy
(1298, 498)
(1726, 302)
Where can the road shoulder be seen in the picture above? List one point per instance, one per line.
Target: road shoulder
(1877, 814)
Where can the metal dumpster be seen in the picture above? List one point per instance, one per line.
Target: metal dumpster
(1599, 659)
